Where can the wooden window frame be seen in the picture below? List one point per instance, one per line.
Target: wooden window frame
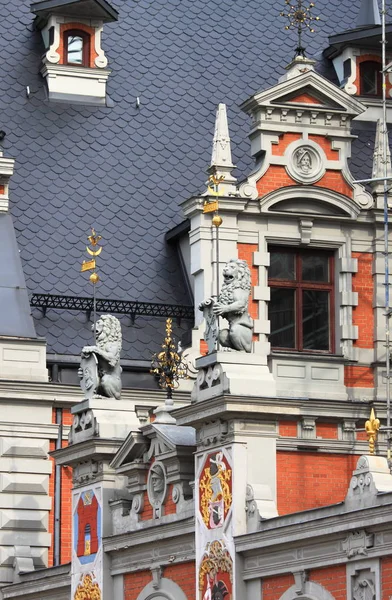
(378, 79)
(299, 285)
(86, 37)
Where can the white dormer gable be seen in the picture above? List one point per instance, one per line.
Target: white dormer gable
(74, 63)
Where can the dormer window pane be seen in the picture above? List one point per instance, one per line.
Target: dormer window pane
(370, 78)
(75, 50)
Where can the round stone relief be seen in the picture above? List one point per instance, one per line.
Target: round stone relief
(305, 164)
(156, 484)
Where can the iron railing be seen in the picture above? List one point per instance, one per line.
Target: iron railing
(123, 307)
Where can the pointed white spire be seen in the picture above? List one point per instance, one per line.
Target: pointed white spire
(221, 150)
(369, 14)
(378, 157)
(221, 162)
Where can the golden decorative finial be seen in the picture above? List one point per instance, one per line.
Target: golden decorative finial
(371, 427)
(300, 17)
(213, 190)
(169, 364)
(90, 265)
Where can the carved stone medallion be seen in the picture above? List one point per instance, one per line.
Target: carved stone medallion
(156, 487)
(305, 164)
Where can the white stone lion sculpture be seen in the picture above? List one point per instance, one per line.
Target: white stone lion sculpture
(107, 352)
(232, 304)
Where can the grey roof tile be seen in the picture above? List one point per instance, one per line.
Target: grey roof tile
(125, 169)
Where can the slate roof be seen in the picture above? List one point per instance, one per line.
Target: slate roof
(125, 169)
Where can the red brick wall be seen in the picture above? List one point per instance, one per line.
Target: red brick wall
(274, 587)
(66, 499)
(182, 574)
(308, 479)
(169, 507)
(327, 431)
(358, 376)
(288, 428)
(326, 145)
(285, 140)
(332, 579)
(306, 99)
(363, 315)
(147, 512)
(386, 578)
(276, 177)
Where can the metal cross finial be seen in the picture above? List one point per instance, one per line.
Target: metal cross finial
(300, 17)
(371, 427)
(169, 364)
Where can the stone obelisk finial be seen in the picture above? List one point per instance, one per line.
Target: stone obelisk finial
(221, 161)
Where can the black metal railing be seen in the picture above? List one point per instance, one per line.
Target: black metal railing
(123, 307)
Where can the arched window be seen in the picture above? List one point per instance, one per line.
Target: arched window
(370, 78)
(76, 48)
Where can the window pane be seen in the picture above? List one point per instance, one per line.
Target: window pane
(315, 320)
(281, 310)
(282, 265)
(369, 71)
(315, 268)
(75, 50)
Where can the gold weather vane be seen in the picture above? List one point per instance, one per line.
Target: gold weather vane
(90, 265)
(371, 427)
(300, 17)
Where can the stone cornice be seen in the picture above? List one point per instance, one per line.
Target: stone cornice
(40, 584)
(281, 546)
(273, 408)
(64, 395)
(94, 449)
(160, 544)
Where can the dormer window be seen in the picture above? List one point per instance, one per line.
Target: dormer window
(370, 78)
(77, 48)
(74, 64)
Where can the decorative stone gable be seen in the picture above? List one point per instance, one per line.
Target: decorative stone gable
(158, 464)
(301, 137)
(74, 63)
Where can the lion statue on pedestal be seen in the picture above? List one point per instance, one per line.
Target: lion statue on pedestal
(232, 304)
(107, 357)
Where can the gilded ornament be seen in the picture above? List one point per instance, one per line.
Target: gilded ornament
(88, 589)
(217, 220)
(300, 17)
(371, 427)
(215, 489)
(169, 365)
(216, 559)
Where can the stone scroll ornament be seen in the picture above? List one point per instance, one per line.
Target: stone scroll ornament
(100, 371)
(232, 304)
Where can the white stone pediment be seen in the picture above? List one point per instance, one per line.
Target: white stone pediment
(152, 442)
(132, 449)
(327, 96)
